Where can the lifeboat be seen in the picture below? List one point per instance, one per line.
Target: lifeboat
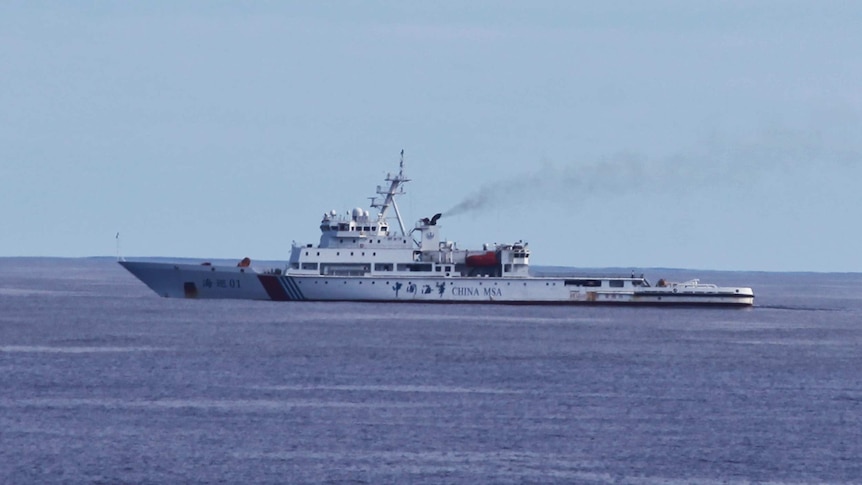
(488, 258)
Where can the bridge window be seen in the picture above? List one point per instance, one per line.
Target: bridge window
(584, 282)
(617, 283)
(343, 269)
(415, 267)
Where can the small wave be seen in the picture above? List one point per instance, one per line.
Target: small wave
(20, 292)
(795, 342)
(848, 397)
(513, 465)
(797, 308)
(394, 388)
(33, 349)
(521, 464)
(234, 405)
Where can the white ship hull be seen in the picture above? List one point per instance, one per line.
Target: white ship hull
(360, 257)
(198, 281)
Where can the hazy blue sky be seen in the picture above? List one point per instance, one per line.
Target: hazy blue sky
(714, 135)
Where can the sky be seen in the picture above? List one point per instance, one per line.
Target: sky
(705, 135)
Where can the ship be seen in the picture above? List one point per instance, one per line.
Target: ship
(360, 257)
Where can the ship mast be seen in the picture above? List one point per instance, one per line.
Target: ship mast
(395, 182)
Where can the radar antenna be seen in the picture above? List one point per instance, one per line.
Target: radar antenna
(395, 188)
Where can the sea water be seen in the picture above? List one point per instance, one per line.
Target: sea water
(101, 381)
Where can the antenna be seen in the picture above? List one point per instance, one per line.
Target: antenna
(395, 188)
(117, 237)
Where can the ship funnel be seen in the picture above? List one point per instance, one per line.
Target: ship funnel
(432, 221)
(429, 237)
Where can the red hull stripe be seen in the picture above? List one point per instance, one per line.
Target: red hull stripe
(273, 287)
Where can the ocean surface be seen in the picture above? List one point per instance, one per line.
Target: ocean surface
(101, 381)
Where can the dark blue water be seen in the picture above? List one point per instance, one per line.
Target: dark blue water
(104, 382)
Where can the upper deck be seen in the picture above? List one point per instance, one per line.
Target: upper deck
(358, 243)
